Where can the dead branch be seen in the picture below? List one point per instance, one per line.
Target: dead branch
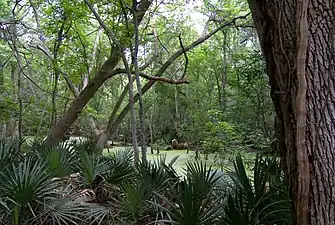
(164, 79)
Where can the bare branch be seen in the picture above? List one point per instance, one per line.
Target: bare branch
(152, 78)
(186, 59)
(110, 34)
(160, 42)
(164, 79)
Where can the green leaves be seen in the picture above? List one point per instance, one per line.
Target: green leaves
(263, 200)
(23, 184)
(9, 152)
(26, 181)
(195, 203)
(121, 168)
(90, 167)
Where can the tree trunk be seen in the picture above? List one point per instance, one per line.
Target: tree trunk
(225, 69)
(302, 89)
(71, 114)
(176, 119)
(114, 121)
(138, 84)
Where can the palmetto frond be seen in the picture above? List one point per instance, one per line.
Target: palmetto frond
(262, 200)
(24, 184)
(68, 206)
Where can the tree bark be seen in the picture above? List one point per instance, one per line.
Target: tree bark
(58, 130)
(302, 89)
(71, 114)
(138, 84)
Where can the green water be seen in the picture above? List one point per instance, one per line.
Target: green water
(180, 164)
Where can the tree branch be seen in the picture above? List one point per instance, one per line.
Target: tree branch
(186, 59)
(164, 79)
(112, 125)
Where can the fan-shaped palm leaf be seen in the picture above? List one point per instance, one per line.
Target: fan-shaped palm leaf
(67, 206)
(121, 167)
(262, 200)
(91, 167)
(9, 152)
(25, 183)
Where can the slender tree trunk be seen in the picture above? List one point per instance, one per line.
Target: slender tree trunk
(18, 70)
(151, 127)
(297, 39)
(138, 84)
(133, 118)
(54, 98)
(177, 115)
(12, 125)
(19, 98)
(224, 74)
(3, 127)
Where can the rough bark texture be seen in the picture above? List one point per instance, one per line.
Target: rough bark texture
(276, 24)
(302, 154)
(74, 110)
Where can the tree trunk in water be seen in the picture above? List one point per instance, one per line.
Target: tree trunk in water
(302, 89)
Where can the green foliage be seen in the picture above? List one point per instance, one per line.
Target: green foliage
(261, 200)
(23, 184)
(9, 152)
(144, 193)
(91, 167)
(60, 158)
(195, 203)
(121, 168)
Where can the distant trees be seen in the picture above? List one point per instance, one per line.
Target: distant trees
(77, 59)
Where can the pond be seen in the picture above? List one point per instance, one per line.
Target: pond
(180, 164)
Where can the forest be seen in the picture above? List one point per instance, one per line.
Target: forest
(193, 112)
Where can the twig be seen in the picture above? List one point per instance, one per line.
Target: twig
(159, 40)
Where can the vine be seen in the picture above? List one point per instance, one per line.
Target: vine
(302, 154)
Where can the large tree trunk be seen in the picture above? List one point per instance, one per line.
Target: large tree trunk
(304, 98)
(58, 130)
